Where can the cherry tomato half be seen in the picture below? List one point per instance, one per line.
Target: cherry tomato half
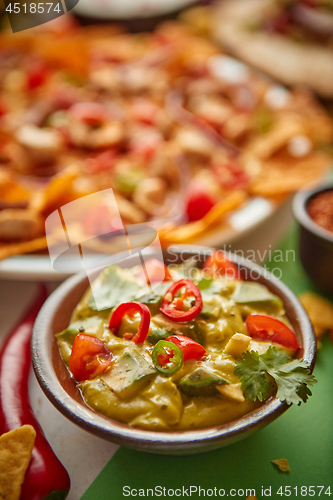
(90, 357)
(172, 309)
(217, 265)
(263, 327)
(198, 203)
(190, 348)
(156, 272)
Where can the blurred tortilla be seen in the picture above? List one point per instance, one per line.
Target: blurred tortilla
(289, 61)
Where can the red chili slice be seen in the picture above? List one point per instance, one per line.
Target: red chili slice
(169, 309)
(217, 264)
(90, 357)
(263, 327)
(190, 348)
(131, 308)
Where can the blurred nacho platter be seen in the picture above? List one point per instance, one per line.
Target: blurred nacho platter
(192, 142)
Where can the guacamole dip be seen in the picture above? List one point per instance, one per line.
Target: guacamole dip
(166, 360)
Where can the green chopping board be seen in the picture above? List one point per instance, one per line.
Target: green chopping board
(303, 435)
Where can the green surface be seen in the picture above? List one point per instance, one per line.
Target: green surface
(303, 435)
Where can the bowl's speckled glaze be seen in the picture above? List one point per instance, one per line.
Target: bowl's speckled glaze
(60, 388)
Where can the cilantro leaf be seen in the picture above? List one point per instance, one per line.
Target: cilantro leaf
(205, 283)
(209, 286)
(252, 375)
(112, 289)
(292, 377)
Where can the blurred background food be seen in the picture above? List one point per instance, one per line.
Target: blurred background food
(185, 134)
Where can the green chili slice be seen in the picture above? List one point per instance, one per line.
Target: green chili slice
(167, 357)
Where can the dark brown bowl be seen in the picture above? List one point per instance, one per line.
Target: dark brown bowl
(60, 388)
(315, 243)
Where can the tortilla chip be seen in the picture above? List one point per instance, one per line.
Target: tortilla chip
(320, 312)
(252, 497)
(15, 453)
(282, 464)
(279, 176)
(59, 191)
(182, 234)
(12, 249)
(199, 18)
(266, 145)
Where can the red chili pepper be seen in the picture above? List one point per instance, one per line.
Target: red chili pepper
(45, 474)
(131, 308)
(89, 357)
(169, 309)
(190, 348)
(263, 327)
(217, 264)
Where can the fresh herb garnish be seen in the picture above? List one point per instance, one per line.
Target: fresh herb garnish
(292, 377)
(112, 289)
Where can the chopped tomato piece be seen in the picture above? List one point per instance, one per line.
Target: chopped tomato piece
(144, 111)
(101, 161)
(230, 175)
(155, 271)
(90, 357)
(263, 327)
(91, 113)
(36, 75)
(190, 348)
(198, 203)
(217, 264)
(100, 220)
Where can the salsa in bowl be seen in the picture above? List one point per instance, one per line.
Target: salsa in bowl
(180, 369)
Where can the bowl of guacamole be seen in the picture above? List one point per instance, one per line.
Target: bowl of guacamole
(208, 349)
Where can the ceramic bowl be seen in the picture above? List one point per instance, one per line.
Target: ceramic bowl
(315, 242)
(61, 390)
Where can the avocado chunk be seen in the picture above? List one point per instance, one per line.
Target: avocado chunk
(211, 308)
(92, 325)
(249, 292)
(153, 301)
(195, 332)
(157, 334)
(129, 374)
(201, 382)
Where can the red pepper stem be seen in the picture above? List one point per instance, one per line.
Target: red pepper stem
(45, 473)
